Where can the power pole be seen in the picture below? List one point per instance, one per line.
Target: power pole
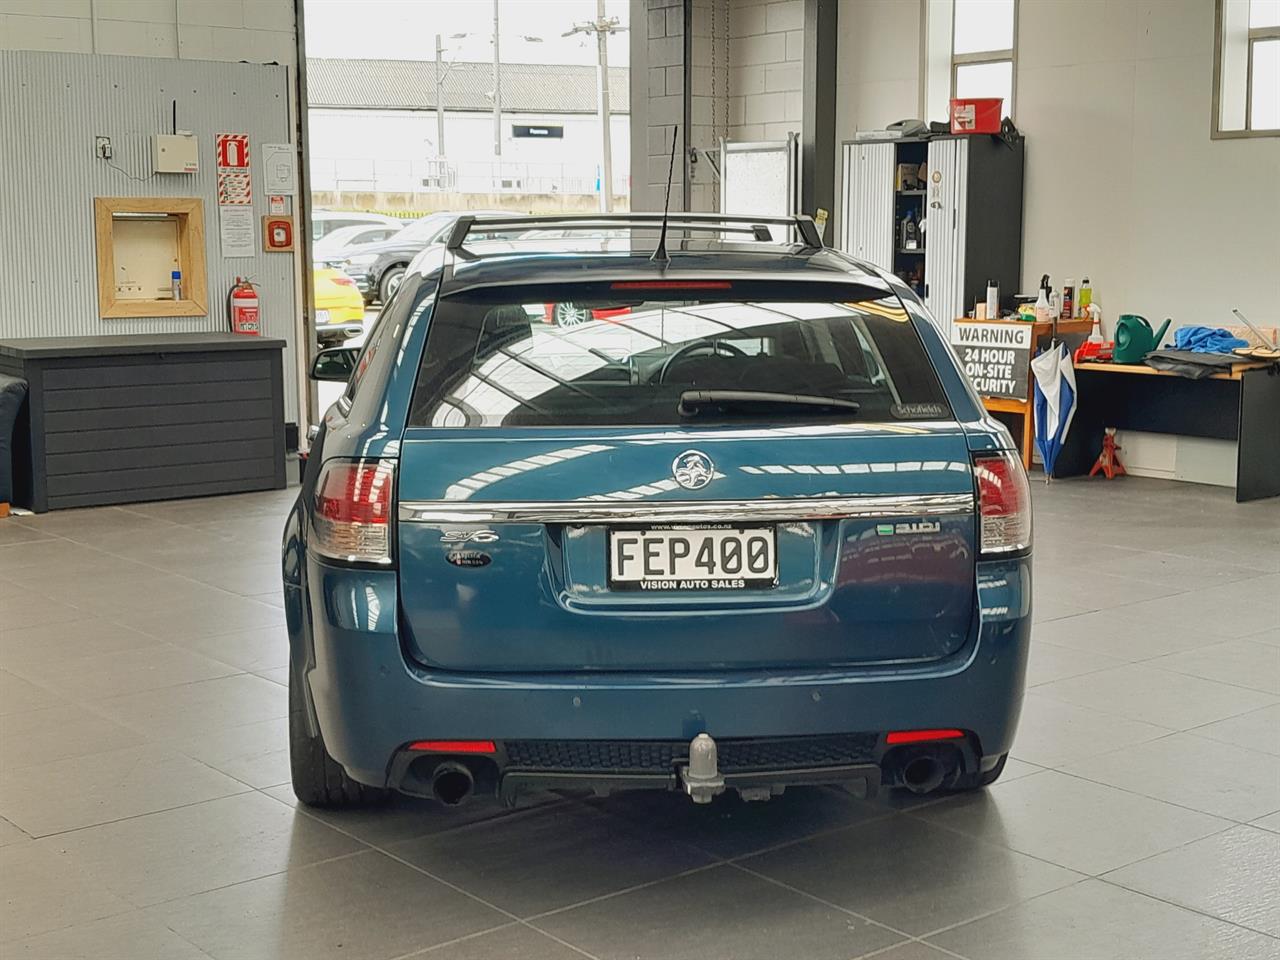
(439, 99)
(497, 92)
(602, 27)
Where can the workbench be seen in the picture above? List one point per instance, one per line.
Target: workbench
(121, 419)
(1242, 404)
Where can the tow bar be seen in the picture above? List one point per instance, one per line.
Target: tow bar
(701, 777)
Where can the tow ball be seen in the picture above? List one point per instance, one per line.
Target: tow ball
(701, 776)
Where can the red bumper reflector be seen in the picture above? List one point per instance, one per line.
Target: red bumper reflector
(671, 285)
(922, 736)
(454, 746)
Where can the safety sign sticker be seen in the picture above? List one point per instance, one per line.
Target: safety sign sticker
(235, 187)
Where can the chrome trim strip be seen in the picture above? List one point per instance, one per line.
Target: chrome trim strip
(686, 511)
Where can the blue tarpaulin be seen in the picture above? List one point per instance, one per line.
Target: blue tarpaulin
(1055, 401)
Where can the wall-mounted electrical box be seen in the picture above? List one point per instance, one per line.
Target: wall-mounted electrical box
(176, 153)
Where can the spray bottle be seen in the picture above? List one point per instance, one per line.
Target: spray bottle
(1043, 309)
(1095, 314)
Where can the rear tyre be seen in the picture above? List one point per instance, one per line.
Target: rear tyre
(318, 780)
(390, 283)
(978, 779)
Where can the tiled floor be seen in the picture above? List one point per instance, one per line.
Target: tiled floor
(146, 813)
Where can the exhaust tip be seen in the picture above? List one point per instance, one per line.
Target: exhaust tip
(923, 774)
(452, 783)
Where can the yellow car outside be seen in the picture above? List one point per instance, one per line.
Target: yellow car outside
(339, 304)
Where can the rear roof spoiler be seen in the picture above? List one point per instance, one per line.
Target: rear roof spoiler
(755, 227)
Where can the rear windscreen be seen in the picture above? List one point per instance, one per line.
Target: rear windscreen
(502, 359)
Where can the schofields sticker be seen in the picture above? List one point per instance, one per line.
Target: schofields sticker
(918, 411)
(468, 558)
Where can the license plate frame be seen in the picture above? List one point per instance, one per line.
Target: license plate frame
(684, 572)
(322, 317)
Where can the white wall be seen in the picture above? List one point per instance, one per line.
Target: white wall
(766, 54)
(1123, 182)
(259, 31)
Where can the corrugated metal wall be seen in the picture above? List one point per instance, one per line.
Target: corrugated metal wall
(52, 105)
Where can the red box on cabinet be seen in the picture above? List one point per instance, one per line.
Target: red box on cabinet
(976, 115)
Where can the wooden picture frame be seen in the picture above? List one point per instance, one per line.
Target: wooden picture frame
(188, 213)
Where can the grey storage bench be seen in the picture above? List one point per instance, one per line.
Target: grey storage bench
(122, 419)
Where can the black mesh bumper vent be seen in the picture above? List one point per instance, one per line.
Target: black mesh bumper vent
(660, 756)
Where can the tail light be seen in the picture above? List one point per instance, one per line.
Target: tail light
(351, 519)
(922, 736)
(1004, 503)
(343, 281)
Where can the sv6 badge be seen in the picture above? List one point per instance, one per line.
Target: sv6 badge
(469, 536)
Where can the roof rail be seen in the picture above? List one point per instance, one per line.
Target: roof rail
(755, 227)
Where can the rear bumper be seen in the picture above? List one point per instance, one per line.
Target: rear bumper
(370, 702)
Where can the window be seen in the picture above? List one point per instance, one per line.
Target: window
(492, 360)
(1246, 69)
(970, 52)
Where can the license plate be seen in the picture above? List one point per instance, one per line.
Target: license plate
(322, 316)
(693, 558)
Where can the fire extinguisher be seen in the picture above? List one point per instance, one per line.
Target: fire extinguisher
(242, 308)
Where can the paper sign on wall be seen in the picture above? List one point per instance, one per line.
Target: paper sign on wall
(235, 231)
(234, 180)
(279, 173)
(996, 357)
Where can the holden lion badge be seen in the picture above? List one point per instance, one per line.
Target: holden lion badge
(693, 469)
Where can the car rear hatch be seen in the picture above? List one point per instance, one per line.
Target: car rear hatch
(558, 513)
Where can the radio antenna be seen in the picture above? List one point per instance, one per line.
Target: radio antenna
(661, 255)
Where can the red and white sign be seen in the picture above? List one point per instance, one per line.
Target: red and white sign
(235, 187)
(233, 151)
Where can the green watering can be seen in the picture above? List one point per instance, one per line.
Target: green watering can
(1134, 339)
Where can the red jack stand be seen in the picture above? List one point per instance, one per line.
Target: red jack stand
(1109, 460)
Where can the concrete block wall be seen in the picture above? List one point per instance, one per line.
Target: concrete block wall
(709, 100)
(259, 31)
(659, 27)
(766, 51)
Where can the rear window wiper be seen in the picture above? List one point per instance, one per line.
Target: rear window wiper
(696, 402)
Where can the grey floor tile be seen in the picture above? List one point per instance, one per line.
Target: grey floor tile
(255, 753)
(1233, 876)
(176, 853)
(1181, 572)
(728, 827)
(10, 834)
(720, 912)
(1207, 611)
(912, 950)
(193, 708)
(407, 818)
(1217, 778)
(278, 675)
(1270, 822)
(1242, 663)
(1258, 730)
(1150, 695)
(63, 795)
(1051, 662)
(1051, 731)
(44, 892)
(185, 620)
(39, 650)
(513, 942)
(910, 874)
(553, 857)
(1084, 826)
(367, 906)
(1097, 921)
(58, 733)
(1104, 632)
(22, 696)
(18, 613)
(100, 676)
(128, 936)
(265, 648)
(1271, 637)
(13, 531)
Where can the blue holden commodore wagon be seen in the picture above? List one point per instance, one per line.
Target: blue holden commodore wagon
(592, 515)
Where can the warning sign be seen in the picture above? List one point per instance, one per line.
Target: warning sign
(235, 186)
(996, 356)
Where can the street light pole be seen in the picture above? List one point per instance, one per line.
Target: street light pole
(602, 27)
(497, 91)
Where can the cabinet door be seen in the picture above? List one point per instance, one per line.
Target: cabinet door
(944, 232)
(867, 215)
